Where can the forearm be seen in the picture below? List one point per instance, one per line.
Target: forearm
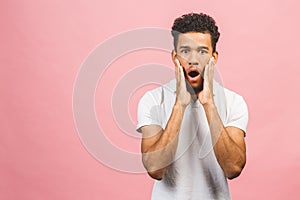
(229, 154)
(160, 155)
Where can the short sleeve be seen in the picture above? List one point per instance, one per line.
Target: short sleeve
(149, 111)
(237, 113)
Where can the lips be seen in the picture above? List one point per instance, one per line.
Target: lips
(193, 75)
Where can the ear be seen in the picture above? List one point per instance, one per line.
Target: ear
(215, 55)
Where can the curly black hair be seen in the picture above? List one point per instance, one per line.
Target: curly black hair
(194, 22)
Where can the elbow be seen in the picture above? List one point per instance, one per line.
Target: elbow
(154, 171)
(234, 171)
(157, 175)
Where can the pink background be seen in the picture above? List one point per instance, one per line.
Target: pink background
(43, 44)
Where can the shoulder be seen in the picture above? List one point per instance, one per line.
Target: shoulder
(237, 110)
(230, 97)
(157, 95)
(235, 102)
(233, 97)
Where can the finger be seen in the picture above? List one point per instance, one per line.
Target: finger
(206, 71)
(211, 67)
(181, 73)
(176, 62)
(211, 60)
(210, 73)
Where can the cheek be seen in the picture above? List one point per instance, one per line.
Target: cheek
(183, 59)
(185, 67)
(183, 62)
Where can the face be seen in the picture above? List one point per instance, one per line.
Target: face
(193, 51)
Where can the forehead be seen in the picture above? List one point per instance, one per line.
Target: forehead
(194, 39)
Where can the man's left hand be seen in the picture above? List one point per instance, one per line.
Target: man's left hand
(206, 95)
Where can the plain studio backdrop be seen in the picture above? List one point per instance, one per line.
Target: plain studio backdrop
(43, 45)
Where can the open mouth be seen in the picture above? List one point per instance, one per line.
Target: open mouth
(193, 74)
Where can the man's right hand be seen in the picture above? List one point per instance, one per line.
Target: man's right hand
(183, 97)
(159, 145)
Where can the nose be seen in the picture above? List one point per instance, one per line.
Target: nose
(193, 59)
(193, 63)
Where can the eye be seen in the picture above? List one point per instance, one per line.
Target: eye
(184, 51)
(202, 51)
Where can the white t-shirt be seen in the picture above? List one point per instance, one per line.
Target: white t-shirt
(195, 173)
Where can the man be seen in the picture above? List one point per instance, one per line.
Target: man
(193, 128)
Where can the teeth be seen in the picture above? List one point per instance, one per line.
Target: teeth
(193, 74)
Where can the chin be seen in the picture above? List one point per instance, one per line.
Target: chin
(195, 85)
(198, 89)
(194, 88)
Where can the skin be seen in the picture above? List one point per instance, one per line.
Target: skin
(194, 53)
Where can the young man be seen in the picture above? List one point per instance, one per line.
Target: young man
(193, 128)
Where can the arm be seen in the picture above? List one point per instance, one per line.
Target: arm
(229, 143)
(159, 149)
(158, 145)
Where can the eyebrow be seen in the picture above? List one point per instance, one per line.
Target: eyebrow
(200, 47)
(203, 47)
(184, 47)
